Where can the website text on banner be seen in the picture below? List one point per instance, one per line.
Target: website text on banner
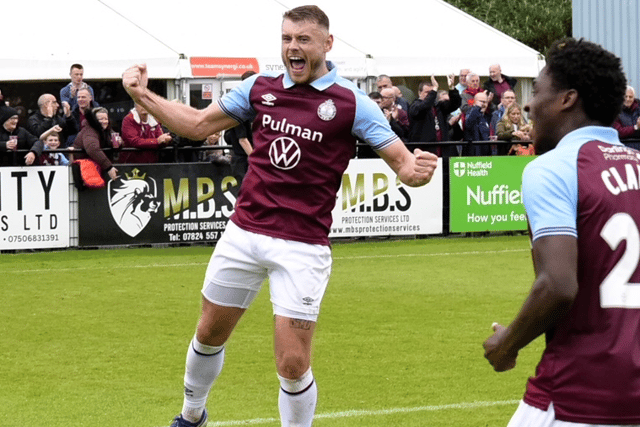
(486, 193)
(34, 207)
(372, 202)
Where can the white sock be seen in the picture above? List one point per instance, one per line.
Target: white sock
(297, 400)
(204, 363)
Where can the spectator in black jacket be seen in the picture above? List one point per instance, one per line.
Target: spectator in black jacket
(49, 116)
(476, 126)
(428, 116)
(498, 83)
(14, 138)
(85, 101)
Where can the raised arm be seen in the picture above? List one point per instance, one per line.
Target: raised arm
(182, 119)
(414, 169)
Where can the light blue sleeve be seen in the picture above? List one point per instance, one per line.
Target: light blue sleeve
(370, 124)
(550, 193)
(236, 103)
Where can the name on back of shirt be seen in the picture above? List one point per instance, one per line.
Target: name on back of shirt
(615, 179)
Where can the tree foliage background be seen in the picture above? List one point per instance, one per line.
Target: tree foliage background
(536, 23)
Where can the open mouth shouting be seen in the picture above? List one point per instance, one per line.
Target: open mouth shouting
(297, 64)
(300, 69)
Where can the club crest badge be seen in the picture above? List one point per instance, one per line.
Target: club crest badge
(327, 110)
(133, 201)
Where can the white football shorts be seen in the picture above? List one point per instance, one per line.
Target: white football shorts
(298, 272)
(529, 416)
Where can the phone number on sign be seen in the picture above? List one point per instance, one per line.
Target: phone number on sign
(20, 238)
(209, 235)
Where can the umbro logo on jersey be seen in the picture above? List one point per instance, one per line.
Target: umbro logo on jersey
(268, 99)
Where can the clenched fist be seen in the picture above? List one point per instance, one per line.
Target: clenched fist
(135, 81)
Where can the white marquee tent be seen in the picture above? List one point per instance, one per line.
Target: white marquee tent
(408, 39)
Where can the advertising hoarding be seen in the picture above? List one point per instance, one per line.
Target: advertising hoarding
(372, 202)
(486, 193)
(158, 203)
(34, 207)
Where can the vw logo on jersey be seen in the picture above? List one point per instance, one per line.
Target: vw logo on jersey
(284, 153)
(327, 110)
(459, 169)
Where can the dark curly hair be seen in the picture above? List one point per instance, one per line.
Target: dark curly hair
(595, 73)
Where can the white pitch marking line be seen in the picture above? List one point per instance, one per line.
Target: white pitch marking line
(434, 254)
(364, 413)
(110, 267)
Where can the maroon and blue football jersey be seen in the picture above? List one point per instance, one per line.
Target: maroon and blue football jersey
(588, 187)
(304, 137)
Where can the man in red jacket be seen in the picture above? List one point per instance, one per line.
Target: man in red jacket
(141, 130)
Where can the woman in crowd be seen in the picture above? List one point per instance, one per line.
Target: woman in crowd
(513, 127)
(93, 138)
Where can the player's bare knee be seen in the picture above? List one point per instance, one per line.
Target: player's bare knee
(211, 333)
(292, 365)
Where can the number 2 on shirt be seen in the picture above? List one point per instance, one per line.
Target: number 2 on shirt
(615, 290)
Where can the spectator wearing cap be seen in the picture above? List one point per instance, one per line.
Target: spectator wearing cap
(13, 138)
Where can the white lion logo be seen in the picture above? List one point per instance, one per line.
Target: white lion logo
(132, 204)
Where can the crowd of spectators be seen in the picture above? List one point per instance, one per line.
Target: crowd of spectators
(466, 118)
(464, 112)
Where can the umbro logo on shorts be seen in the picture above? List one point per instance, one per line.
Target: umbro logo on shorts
(307, 300)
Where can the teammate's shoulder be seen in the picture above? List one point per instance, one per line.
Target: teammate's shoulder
(552, 161)
(535, 165)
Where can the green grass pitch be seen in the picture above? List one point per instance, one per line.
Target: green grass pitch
(99, 337)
